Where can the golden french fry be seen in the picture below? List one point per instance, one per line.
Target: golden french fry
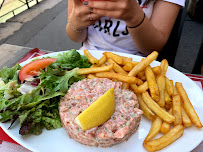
(155, 128)
(102, 60)
(92, 59)
(164, 67)
(140, 89)
(118, 76)
(117, 67)
(146, 111)
(103, 65)
(93, 66)
(186, 120)
(143, 78)
(177, 110)
(126, 58)
(114, 57)
(140, 66)
(188, 106)
(167, 139)
(143, 64)
(168, 106)
(156, 70)
(165, 127)
(133, 86)
(141, 74)
(156, 108)
(128, 66)
(91, 76)
(161, 86)
(95, 69)
(175, 92)
(109, 71)
(134, 63)
(169, 87)
(167, 97)
(153, 87)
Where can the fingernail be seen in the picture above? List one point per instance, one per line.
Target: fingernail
(85, 2)
(91, 9)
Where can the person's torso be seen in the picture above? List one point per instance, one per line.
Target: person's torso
(111, 34)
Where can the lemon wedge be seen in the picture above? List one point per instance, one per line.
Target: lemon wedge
(98, 112)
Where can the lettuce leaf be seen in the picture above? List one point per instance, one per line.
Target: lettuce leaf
(38, 109)
(70, 60)
(9, 74)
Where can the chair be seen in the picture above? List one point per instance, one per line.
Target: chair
(171, 47)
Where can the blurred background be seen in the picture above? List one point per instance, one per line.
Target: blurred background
(41, 24)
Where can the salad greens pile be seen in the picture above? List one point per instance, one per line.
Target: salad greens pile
(38, 108)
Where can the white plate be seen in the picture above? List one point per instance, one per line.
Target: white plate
(58, 140)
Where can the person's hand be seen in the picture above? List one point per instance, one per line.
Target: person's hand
(127, 10)
(81, 15)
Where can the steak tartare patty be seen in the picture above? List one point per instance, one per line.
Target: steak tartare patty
(122, 124)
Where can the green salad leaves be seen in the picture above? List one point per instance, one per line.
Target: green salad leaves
(38, 108)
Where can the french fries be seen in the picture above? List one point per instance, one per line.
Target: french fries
(140, 89)
(186, 120)
(156, 70)
(169, 87)
(92, 59)
(128, 66)
(141, 74)
(167, 97)
(167, 139)
(153, 87)
(90, 76)
(118, 77)
(188, 106)
(165, 104)
(142, 65)
(147, 112)
(155, 128)
(164, 67)
(161, 86)
(126, 58)
(117, 67)
(165, 127)
(156, 108)
(95, 69)
(177, 110)
(126, 61)
(101, 61)
(113, 56)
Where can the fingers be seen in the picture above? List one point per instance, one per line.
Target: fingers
(105, 5)
(78, 2)
(113, 9)
(94, 17)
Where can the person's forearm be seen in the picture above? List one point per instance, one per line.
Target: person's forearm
(76, 36)
(147, 38)
(153, 34)
(74, 33)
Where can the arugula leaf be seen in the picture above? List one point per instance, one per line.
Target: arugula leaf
(9, 74)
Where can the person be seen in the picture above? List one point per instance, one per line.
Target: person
(129, 26)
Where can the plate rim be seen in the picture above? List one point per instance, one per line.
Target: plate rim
(14, 137)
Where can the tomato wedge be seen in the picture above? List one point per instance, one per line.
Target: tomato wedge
(34, 67)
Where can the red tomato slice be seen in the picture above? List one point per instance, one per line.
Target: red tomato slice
(34, 67)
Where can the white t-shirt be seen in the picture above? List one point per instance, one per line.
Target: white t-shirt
(112, 35)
